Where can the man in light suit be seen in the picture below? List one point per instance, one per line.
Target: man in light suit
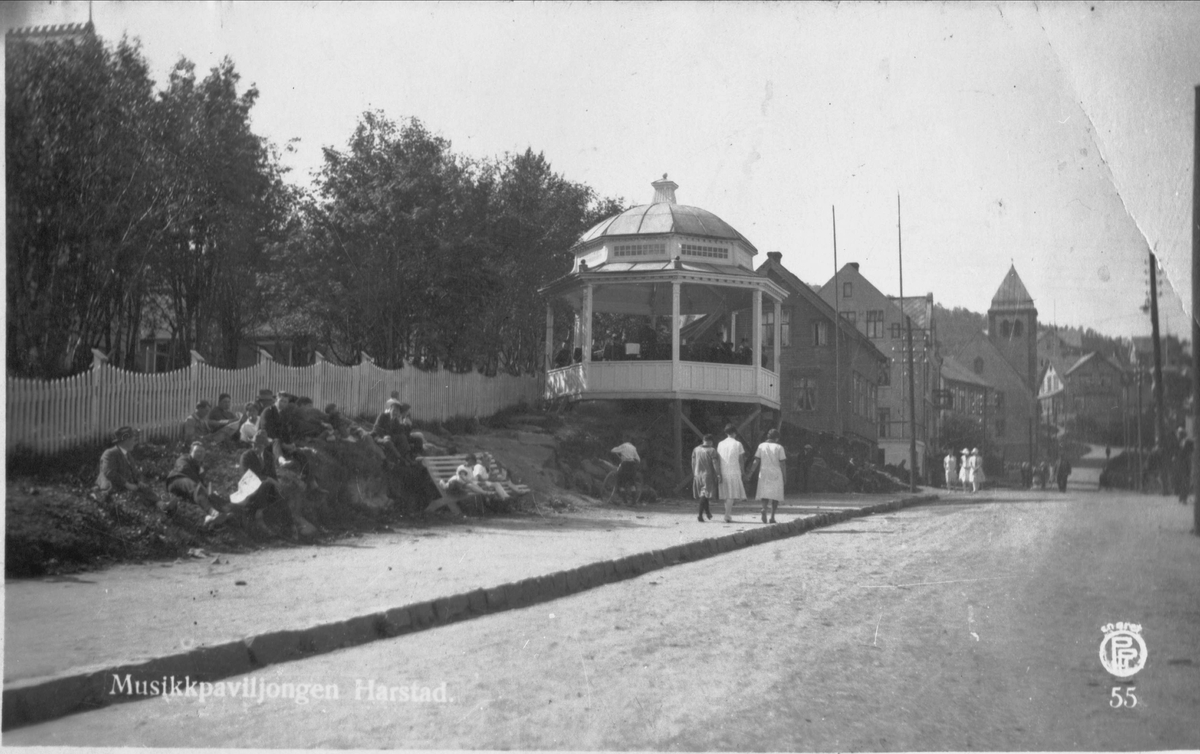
(119, 475)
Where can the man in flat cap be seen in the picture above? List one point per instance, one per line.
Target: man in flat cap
(118, 474)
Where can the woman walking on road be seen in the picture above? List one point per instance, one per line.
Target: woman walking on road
(706, 475)
(964, 465)
(975, 472)
(769, 461)
(732, 454)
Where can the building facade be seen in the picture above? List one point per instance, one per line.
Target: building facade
(819, 376)
(880, 319)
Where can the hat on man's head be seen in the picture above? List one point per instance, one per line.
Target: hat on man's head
(966, 452)
(286, 396)
(391, 403)
(124, 433)
(266, 394)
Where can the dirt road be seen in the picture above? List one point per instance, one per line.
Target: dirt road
(962, 625)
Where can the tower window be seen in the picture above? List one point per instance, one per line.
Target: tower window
(1006, 329)
(1018, 329)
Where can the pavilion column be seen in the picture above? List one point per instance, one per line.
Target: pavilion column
(675, 286)
(778, 332)
(733, 329)
(585, 327)
(549, 336)
(756, 335)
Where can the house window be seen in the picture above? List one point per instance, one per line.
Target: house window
(999, 400)
(805, 391)
(885, 374)
(978, 365)
(851, 317)
(785, 328)
(847, 290)
(820, 332)
(768, 329)
(875, 323)
(897, 331)
(884, 420)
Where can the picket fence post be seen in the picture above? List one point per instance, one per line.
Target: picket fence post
(99, 359)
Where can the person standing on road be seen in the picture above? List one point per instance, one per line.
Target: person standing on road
(1062, 470)
(732, 454)
(1183, 466)
(951, 468)
(627, 470)
(769, 460)
(975, 471)
(706, 475)
(964, 466)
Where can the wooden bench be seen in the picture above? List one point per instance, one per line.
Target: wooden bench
(442, 468)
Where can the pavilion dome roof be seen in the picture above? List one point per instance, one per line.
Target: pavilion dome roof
(664, 216)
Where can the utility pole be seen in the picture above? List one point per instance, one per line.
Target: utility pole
(1195, 480)
(912, 395)
(1159, 439)
(837, 335)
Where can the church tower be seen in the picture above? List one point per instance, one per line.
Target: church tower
(1012, 327)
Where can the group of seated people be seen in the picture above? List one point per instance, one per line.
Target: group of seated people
(274, 463)
(264, 484)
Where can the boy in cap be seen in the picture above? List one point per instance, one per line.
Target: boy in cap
(119, 475)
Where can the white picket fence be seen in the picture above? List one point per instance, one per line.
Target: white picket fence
(52, 415)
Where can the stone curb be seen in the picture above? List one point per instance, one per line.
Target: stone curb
(27, 703)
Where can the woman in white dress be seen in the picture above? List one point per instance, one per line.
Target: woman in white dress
(976, 470)
(732, 454)
(964, 468)
(769, 460)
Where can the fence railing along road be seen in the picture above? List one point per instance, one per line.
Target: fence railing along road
(52, 415)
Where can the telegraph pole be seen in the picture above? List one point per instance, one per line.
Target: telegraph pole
(837, 334)
(1195, 480)
(912, 395)
(1157, 386)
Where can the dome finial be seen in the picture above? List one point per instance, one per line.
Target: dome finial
(664, 190)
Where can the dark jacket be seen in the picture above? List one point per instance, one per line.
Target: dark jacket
(187, 467)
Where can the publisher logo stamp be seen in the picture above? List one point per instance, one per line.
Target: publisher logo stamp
(1123, 652)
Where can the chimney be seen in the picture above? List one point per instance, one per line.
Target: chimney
(854, 265)
(775, 256)
(664, 190)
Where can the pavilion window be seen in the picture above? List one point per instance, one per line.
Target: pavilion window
(704, 251)
(639, 249)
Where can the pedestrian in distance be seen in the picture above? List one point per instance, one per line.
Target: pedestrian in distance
(706, 475)
(1062, 470)
(769, 461)
(732, 455)
(964, 468)
(950, 466)
(975, 472)
(630, 461)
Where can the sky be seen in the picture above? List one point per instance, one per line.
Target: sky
(1054, 137)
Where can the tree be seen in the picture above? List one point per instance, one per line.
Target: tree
(418, 255)
(82, 197)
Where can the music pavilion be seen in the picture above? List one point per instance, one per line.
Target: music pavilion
(698, 311)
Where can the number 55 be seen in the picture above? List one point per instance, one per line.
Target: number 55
(1116, 700)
